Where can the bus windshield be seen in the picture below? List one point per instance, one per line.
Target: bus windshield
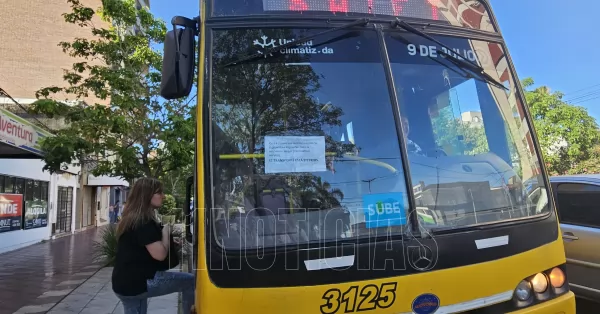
(306, 148)
(470, 149)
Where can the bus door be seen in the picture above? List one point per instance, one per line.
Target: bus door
(188, 212)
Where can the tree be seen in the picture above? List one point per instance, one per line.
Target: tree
(448, 129)
(567, 134)
(175, 182)
(590, 165)
(168, 205)
(138, 134)
(169, 208)
(318, 194)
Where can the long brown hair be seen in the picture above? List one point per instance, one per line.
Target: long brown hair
(138, 208)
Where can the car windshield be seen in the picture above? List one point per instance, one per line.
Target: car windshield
(305, 146)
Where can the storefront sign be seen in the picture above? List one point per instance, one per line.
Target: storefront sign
(18, 132)
(36, 214)
(11, 210)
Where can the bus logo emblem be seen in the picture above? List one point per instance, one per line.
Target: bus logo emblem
(426, 304)
(264, 43)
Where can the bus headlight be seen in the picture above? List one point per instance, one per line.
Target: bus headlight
(523, 291)
(541, 287)
(557, 277)
(539, 282)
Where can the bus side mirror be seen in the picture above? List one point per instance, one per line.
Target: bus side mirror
(178, 63)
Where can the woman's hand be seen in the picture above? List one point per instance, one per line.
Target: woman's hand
(166, 231)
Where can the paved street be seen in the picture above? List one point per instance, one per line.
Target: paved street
(33, 279)
(587, 307)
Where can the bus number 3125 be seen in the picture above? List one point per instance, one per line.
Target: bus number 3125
(357, 299)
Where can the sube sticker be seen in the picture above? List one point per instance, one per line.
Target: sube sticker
(383, 210)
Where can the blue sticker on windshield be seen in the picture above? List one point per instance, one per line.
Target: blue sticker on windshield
(426, 304)
(383, 210)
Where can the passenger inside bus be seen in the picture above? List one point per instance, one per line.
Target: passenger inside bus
(411, 146)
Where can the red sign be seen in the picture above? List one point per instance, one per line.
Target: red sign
(421, 8)
(11, 212)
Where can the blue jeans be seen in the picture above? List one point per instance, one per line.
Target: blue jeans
(163, 283)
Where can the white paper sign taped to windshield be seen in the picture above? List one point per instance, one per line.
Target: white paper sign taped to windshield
(294, 154)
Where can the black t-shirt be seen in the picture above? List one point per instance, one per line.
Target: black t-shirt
(133, 263)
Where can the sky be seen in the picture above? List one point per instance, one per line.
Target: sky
(552, 41)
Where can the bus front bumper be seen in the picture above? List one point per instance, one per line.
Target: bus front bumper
(561, 305)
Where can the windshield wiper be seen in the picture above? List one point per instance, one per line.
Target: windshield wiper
(270, 51)
(460, 63)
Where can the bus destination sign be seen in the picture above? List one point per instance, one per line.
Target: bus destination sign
(425, 9)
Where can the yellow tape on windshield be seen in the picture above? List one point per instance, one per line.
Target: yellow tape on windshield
(366, 160)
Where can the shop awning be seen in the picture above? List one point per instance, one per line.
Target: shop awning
(19, 138)
(106, 181)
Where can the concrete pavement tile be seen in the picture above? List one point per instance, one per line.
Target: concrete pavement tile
(91, 267)
(101, 303)
(55, 293)
(162, 311)
(42, 308)
(96, 310)
(163, 305)
(91, 286)
(87, 289)
(69, 308)
(75, 303)
(119, 309)
(71, 282)
(106, 298)
(171, 296)
(63, 309)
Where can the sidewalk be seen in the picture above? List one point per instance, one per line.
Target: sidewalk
(95, 296)
(35, 278)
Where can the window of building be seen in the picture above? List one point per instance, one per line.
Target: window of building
(34, 210)
(19, 186)
(9, 184)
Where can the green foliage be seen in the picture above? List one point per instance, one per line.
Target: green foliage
(105, 249)
(447, 129)
(590, 165)
(138, 134)
(567, 133)
(317, 194)
(175, 180)
(168, 205)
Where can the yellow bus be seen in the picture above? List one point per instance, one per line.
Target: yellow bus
(363, 156)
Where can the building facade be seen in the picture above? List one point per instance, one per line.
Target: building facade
(34, 204)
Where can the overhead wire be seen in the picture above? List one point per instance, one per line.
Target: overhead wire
(7, 95)
(582, 97)
(582, 89)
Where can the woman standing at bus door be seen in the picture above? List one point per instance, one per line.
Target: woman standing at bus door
(143, 247)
